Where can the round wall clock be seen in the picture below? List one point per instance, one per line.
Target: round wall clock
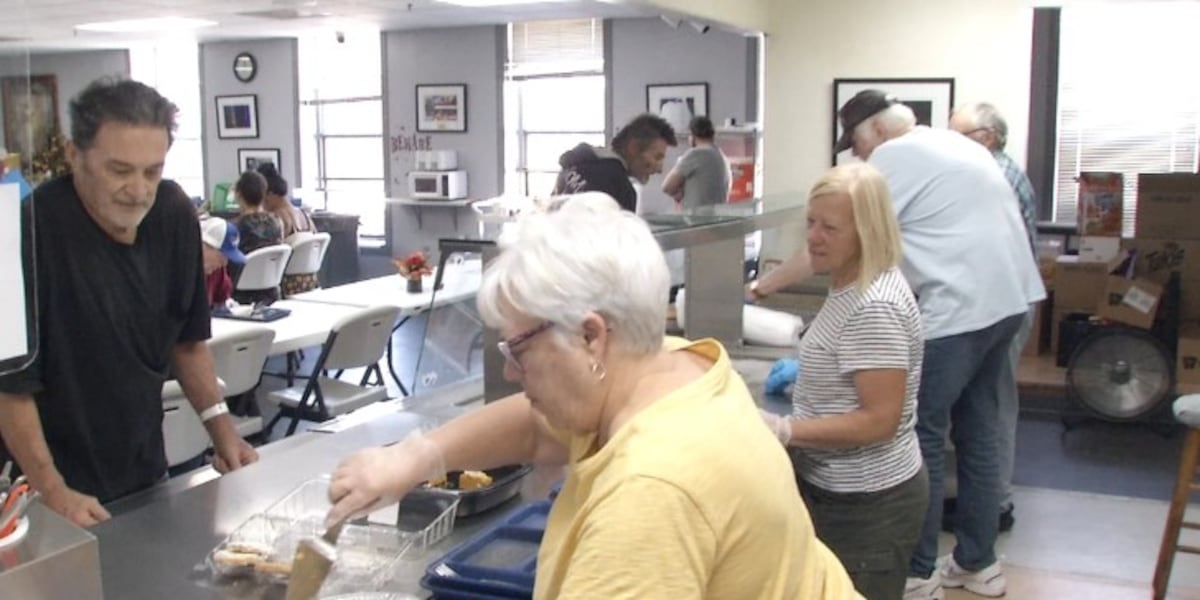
(244, 67)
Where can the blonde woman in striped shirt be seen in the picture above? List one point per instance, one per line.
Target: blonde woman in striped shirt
(852, 437)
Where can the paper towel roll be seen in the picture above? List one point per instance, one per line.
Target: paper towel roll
(760, 326)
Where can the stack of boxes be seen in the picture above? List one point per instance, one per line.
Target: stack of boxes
(1167, 239)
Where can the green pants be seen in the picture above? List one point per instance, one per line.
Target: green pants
(874, 533)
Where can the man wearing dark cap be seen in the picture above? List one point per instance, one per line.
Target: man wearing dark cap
(968, 261)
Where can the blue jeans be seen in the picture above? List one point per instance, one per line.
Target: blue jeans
(959, 381)
(1010, 408)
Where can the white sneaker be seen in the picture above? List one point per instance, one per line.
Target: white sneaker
(916, 588)
(988, 582)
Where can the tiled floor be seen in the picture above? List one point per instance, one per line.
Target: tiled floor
(1070, 545)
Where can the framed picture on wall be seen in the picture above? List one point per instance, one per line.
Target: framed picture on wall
(30, 114)
(442, 107)
(250, 159)
(237, 116)
(678, 103)
(931, 99)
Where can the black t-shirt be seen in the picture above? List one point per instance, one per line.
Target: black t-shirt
(109, 316)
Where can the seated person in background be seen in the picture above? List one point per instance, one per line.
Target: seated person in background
(220, 247)
(853, 430)
(257, 228)
(674, 487)
(292, 218)
(637, 152)
(701, 177)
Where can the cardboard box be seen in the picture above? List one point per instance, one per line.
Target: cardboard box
(1078, 285)
(1168, 206)
(1130, 301)
(1156, 258)
(1101, 203)
(1187, 361)
(1098, 249)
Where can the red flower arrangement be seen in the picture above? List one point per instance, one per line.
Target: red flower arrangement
(413, 266)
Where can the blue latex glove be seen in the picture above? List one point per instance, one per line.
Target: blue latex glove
(783, 373)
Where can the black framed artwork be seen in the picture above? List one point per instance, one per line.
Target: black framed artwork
(237, 116)
(250, 159)
(677, 103)
(442, 107)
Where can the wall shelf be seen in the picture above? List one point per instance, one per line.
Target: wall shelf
(420, 205)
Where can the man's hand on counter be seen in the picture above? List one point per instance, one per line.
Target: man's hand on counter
(233, 454)
(80, 509)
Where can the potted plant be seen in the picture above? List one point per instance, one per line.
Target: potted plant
(413, 267)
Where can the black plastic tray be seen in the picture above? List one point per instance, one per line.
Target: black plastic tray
(506, 483)
(265, 315)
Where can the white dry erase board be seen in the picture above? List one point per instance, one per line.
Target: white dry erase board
(14, 318)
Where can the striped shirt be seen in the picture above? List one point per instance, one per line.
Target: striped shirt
(878, 329)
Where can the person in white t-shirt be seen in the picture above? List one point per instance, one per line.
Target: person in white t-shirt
(968, 261)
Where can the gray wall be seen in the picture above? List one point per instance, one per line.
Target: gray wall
(470, 55)
(73, 72)
(277, 86)
(648, 51)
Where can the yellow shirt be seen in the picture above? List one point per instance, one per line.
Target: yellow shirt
(692, 498)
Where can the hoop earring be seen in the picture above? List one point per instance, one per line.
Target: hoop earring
(599, 371)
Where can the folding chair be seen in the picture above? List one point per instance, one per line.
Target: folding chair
(357, 340)
(238, 360)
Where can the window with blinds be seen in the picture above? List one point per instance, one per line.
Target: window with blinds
(555, 47)
(548, 63)
(1129, 98)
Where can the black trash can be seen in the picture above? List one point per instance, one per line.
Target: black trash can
(341, 260)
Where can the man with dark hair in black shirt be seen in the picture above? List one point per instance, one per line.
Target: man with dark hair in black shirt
(638, 151)
(120, 300)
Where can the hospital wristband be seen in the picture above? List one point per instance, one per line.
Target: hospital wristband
(214, 411)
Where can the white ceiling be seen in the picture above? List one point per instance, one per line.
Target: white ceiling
(50, 24)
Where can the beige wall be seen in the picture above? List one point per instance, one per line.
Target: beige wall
(983, 44)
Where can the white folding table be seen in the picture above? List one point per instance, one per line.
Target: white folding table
(460, 282)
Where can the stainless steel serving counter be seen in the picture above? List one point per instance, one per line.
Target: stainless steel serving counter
(156, 542)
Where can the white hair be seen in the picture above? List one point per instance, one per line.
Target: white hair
(587, 256)
(988, 117)
(895, 120)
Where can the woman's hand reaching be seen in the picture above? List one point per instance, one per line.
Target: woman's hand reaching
(376, 477)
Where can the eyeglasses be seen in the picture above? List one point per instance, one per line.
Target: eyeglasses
(976, 130)
(506, 346)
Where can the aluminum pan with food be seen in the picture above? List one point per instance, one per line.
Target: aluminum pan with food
(506, 484)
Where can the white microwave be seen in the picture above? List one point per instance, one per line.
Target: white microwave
(437, 185)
